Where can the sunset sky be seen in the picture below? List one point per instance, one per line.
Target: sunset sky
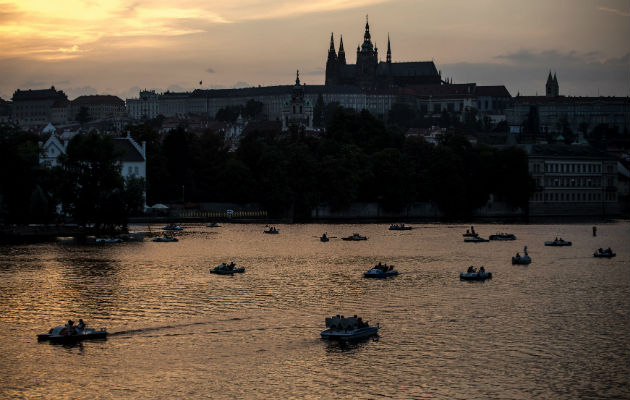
(119, 46)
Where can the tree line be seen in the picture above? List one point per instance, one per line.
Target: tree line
(87, 183)
(358, 158)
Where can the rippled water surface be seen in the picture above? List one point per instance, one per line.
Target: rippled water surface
(558, 328)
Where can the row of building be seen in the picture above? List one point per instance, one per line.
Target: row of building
(573, 179)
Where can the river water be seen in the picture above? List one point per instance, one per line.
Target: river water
(558, 328)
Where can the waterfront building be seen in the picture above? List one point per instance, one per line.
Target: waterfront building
(131, 155)
(572, 180)
(554, 112)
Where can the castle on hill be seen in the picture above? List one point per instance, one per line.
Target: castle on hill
(370, 73)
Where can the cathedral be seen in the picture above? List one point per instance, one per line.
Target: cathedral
(371, 73)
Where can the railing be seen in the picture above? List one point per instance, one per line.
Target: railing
(221, 214)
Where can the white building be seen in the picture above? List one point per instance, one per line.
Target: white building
(144, 107)
(132, 159)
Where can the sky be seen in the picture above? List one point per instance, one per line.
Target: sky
(121, 46)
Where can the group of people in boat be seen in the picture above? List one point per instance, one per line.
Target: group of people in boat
(272, 229)
(72, 329)
(229, 267)
(602, 251)
(471, 231)
(359, 323)
(383, 267)
(472, 270)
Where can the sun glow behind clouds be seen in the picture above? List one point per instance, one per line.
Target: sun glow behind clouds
(52, 30)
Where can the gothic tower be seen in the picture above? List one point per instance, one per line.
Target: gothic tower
(331, 63)
(551, 87)
(389, 51)
(367, 60)
(341, 58)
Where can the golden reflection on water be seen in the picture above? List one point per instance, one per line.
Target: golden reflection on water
(554, 329)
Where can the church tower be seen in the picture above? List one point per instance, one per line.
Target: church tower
(331, 63)
(341, 59)
(551, 88)
(389, 51)
(367, 60)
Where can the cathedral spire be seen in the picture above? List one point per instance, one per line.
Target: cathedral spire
(342, 54)
(367, 36)
(297, 78)
(389, 51)
(332, 55)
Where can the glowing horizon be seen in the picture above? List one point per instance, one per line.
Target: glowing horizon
(112, 46)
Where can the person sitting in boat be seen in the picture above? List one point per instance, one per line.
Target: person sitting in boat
(482, 270)
(472, 229)
(391, 267)
(81, 324)
(70, 327)
(556, 239)
(609, 250)
(600, 250)
(471, 269)
(518, 255)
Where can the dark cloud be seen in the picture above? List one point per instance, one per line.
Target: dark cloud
(240, 85)
(549, 56)
(73, 93)
(31, 84)
(623, 60)
(578, 75)
(210, 71)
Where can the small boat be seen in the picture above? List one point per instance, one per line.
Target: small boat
(165, 239)
(401, 227)
(355, 237)
(213, 225)
(522, 260)
(502, 236)
(381, 271)
(475, 239)
(69, 334)
(108, 240)
(557, 242)
(351, 328)
(227, 269)
(272, 230)
(608, 253)
(324, 238)
(473, 275)
(172, 227)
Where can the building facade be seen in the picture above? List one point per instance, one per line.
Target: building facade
(297, 110)
(98, 107)
(572, 181)
(32, 108)
(146, 106)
